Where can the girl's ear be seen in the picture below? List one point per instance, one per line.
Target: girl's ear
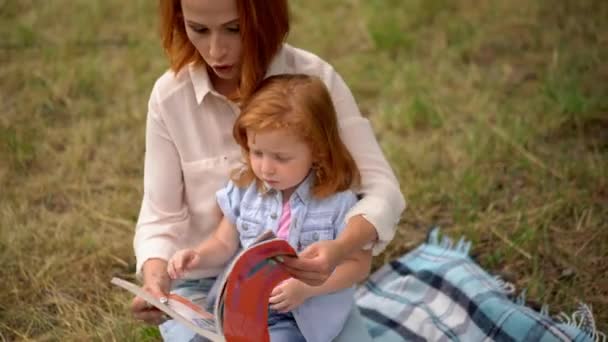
(319, 172)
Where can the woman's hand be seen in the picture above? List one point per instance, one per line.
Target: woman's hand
(182, 261)
(288, 295)
(157, 283)
(316, 263)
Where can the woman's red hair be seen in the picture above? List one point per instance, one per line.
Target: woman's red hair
(263, 24)
(302, 105)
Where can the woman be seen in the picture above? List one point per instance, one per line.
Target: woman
(219, 53)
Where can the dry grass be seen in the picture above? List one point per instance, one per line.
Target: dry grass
(493, 114)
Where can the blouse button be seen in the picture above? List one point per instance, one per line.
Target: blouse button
(245, 226)
(273, 216)
(315, 236)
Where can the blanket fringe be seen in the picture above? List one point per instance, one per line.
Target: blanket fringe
(582, 318)
(463, 246)
(506, 287)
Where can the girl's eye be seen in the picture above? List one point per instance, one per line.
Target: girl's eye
(256, 153)
(282, 159)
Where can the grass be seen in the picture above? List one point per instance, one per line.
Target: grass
(494, 116)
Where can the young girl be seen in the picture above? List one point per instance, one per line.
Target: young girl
(296, 181)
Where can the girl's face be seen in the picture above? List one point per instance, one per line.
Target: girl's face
(213, 28)
(279, 158)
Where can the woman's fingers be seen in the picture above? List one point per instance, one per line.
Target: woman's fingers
(301, 269)
(144, 311)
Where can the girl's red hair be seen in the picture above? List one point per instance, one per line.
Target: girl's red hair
(302, 105)
(264, 25)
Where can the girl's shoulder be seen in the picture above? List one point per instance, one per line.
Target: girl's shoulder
(340, 199)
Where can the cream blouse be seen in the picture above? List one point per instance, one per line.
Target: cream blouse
(190, 153)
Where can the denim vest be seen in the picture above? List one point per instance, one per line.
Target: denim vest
(311, 220)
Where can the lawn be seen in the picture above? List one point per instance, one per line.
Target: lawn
(493, 114)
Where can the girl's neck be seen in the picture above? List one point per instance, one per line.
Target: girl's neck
(287, 194)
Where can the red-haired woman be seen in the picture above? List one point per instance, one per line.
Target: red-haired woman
(220, 51)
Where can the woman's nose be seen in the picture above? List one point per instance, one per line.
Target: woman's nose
(216, 47)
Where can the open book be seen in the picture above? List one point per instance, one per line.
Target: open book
(241, 307)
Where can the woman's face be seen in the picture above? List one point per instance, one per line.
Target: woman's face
(213, 28)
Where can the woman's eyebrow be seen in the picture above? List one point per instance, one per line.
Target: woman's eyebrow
(190, 22)
(231, 22)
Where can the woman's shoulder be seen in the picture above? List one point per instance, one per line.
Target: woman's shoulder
(300, 61)
(170, 82)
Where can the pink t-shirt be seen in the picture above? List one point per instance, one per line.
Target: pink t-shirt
(284, 221)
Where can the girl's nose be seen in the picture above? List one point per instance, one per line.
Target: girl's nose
(267, 166)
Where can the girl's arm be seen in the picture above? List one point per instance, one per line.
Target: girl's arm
(220, 247)
(213, 252)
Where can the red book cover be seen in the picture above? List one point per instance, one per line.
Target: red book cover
(241, 308)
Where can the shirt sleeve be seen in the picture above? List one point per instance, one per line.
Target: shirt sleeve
(382, 202)
(346, 200)
(163, 217)
(228, 199)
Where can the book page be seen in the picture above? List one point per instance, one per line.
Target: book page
(180, 309)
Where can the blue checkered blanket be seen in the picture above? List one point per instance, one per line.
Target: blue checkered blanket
(438, 293)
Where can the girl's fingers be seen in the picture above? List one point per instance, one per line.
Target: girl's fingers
(280, 307)
(171, 269)
(276, 298)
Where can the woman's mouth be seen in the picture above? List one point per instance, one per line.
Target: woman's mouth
(222, 69)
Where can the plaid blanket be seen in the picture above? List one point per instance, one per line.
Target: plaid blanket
(437, 293)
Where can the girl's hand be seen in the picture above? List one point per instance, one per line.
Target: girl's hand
(288, 295)
(182, 261)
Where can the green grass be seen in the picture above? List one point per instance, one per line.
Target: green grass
(494, 116)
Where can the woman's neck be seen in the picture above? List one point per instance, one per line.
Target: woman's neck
(222, 86)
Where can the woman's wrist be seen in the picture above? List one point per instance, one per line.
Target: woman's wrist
(358, 233)
(155, 272)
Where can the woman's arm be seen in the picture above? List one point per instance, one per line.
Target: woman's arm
(316, 263)
(373, 220)
(354, 269)
(382, 202)
(163, 215)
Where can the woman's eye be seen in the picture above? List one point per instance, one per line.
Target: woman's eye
(199, 29)
(234, 29)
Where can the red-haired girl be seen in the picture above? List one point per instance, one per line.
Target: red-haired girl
(220, 51)
(296, 181)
